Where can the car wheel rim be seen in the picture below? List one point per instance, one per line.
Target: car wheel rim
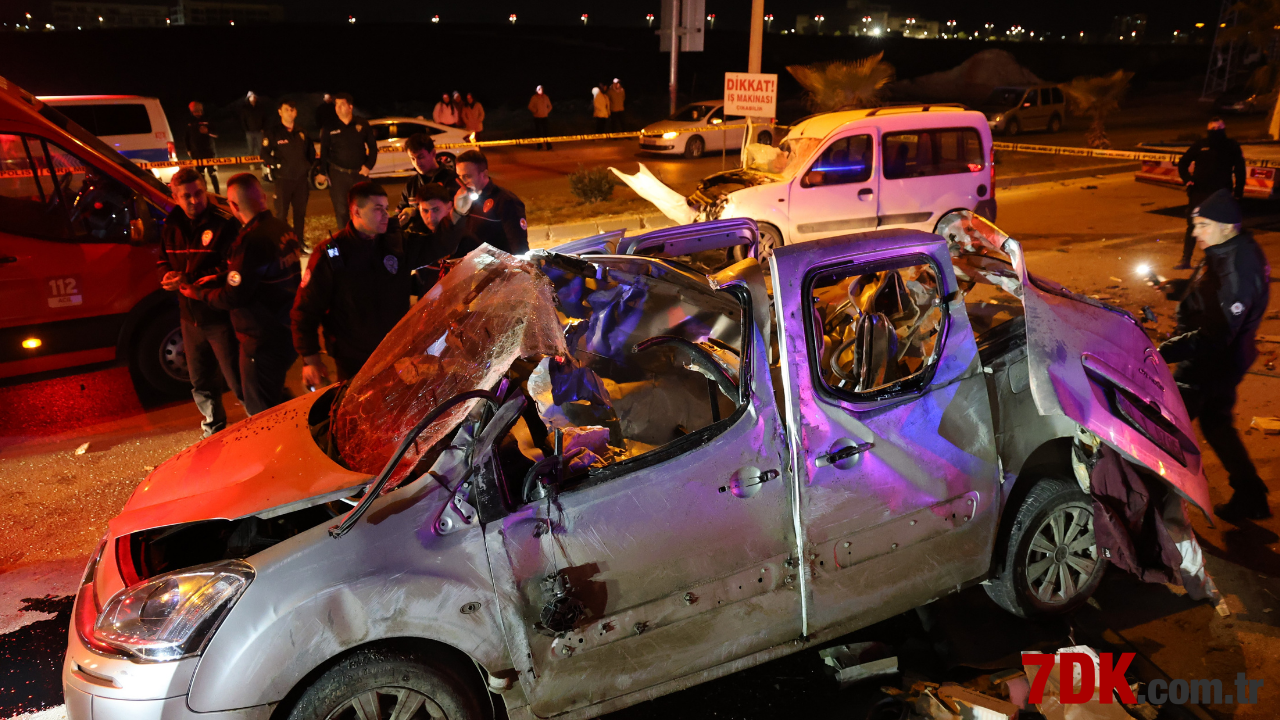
(1063, 556)
(388, 703)
(765, 245)
(173, 356)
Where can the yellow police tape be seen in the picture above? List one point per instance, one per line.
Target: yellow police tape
(1086, 152)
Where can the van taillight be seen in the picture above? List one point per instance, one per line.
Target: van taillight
(173, 152)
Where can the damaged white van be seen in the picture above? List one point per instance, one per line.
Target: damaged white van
(844, 172)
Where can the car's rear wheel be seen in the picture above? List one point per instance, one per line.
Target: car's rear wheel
(1012, 127)
(765, 137)
(1051, 563)
(387, 683)
(770, 240)
(158, 355)
(317, 183)
(1055, 123)
(447, 160)
(695, 147)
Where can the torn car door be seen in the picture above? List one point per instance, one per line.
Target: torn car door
(897, 481)
(676, 561)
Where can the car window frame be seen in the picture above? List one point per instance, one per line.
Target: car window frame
(817, 157)
(1030, 99)
(894, 393)
(982, 151)
(492, 506)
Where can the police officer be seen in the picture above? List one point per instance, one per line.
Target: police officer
(325, 114)
(258, 288)
(199, 140)
(426, 242)
(192, 246)
(356, 286)
(1213, 345)
(348, 151)
(289, 153)
(422, 153)
(1218, 162)
(484, 212)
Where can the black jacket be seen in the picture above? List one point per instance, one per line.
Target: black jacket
(253, 118)
(260, 282)
(1219, 165)
(197, 248)
(496, 218)
(357, 289)
(424, 250)
(326, 115)
(348, 146)
(441, 175)
(290, 153)
(1220, 313)
(199, 138)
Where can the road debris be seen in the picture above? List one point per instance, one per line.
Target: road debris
(859, 661)
(82, 449)
(1268, 425)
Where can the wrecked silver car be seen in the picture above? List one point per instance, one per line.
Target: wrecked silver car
(579, 482)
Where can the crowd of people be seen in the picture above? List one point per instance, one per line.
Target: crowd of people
(248, 306)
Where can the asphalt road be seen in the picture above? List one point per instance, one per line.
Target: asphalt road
(1089, 234)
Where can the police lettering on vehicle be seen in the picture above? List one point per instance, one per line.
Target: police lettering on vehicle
(206, 237)
(391, 263)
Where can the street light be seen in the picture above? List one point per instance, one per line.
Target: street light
(584, 18)
(435, 19)
(351, 20)
(712, 20)
(649, 17)
(819, 18)
(512, 18)
(768, 23)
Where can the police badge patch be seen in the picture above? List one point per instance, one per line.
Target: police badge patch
(359, 127)
(393, 264)
(206, 237)
(1237, 309)
(524, 224)
(233, 278)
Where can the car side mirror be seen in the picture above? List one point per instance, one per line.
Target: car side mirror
(873, 336)
(814, 178)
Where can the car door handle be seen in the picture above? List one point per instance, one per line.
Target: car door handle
(865, 192)
(4, 259)
(844, 453)
(747, 481)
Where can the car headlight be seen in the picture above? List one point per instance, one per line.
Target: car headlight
(998, 118)
(670, 135)
(172, 616)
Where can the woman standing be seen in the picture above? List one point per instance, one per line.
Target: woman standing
(600, 109)
(472, 114)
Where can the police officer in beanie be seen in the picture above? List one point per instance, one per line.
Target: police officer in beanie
(258, 288)
(289, 152)
(348, 151)
(484, 212)
(192, 247)
(1220, 310)
(427, 171)
(1219, 165)
(356, 286)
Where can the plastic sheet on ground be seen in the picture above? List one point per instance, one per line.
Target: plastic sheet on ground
(491, 309)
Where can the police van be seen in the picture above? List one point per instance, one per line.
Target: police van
(136, 127)
(79, 239)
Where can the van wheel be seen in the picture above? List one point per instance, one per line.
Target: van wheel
(1051, 563)
(386, 683)
(1055, 123)
(765, 137)
(1012, 127)
(695, 148)
(158, 355)
(447, 160)
(770, 240)
(317, 183)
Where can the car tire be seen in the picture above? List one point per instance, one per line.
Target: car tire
(447, 160)
(158, 356)
(1051, 561)
(770, 240)
(765, 138)
(1012, 127)
(378, 682)
(695, 147)
(317, 183)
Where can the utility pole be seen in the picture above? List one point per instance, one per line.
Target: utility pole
(675, 50)
(757, 36)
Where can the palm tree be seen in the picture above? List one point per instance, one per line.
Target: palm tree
(1097, 97)
(844, 84)
(1257, 24)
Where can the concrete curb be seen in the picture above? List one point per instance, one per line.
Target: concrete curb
(547, 235)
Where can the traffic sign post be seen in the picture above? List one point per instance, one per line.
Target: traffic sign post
(682, 23)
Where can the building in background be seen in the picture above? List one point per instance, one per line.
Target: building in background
(71, 15)
(1128, 29)
(200, 12)
(867, 18)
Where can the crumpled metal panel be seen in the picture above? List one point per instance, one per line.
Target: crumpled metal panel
(463, 335)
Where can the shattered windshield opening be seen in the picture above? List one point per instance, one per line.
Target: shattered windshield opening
(796, 152)
(986, 274)
(621, 356)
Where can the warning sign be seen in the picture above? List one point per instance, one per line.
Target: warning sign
(751, 94)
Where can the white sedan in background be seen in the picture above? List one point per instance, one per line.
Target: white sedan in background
(393, 132)
(697, 128)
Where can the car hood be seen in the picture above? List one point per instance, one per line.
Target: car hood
(268, 462)
(667, 125)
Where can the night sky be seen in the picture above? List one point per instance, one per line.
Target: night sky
(1066, 17)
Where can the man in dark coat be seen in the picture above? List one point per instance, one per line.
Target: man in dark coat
(485, 213)
(1214, 163)
(1214, 344)
(199, 141)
